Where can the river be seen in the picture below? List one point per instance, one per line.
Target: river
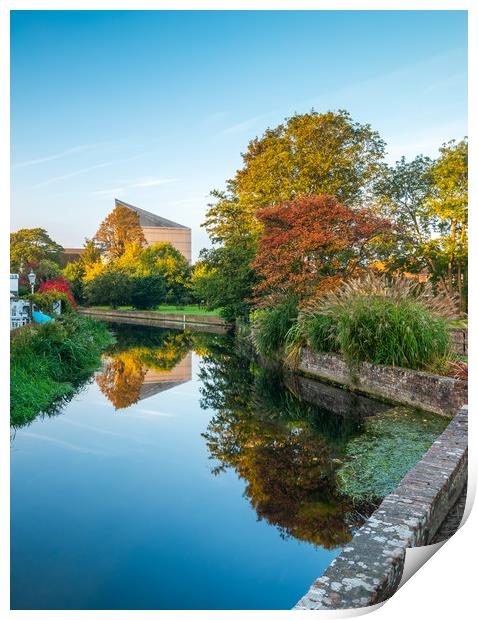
(185, 476)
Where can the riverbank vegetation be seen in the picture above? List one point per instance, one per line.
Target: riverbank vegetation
(48, 360)
(315, 204)
(394, 322)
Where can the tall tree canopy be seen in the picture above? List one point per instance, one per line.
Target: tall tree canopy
(29, 246)
(308, 154)
(118, 229)
(428, 202)
(311, 243)
(449, 205)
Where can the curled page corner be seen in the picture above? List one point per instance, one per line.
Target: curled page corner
(416, 557)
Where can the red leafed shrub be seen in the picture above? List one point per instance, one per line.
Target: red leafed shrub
(59, 285)
(312, 243)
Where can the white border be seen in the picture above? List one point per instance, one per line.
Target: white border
(446, 587)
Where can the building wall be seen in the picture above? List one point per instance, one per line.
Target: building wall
(179, 238)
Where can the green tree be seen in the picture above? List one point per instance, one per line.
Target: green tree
(47, 270)
(147, 291)
(308, 154)
(28, 246)
(223, 278)
(448, 203)
(165, 261)
(120, 227)
(111, 287)
(91, 252)
(402, 193)
(75, 272)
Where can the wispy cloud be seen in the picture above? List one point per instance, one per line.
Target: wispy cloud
(243, 125)
(75, 173)
(138, 183)
(214, 118)
(62, 443)
(65, 153)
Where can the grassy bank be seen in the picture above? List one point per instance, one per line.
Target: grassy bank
(48, 360)
(191, 309)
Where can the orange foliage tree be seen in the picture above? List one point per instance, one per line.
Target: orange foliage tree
(310, 244)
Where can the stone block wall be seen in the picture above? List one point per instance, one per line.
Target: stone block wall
(459, 339)
(442, 395)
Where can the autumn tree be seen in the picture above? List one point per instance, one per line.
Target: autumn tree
(312, 243)
(118, 229)
(308, 154)
(29, 246)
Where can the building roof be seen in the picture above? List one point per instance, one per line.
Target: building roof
(147, 219)
(73, 250)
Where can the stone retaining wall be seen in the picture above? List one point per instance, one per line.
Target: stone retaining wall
(442, 395)
(459, 339)
(369, 569)
(170, 317)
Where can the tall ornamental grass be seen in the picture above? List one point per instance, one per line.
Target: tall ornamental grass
(372, 319)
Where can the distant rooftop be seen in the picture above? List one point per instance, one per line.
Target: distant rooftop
(147, 219)
(73, 250)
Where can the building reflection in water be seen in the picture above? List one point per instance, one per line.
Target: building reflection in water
(144, 362)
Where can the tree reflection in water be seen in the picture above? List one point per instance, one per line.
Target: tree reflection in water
(287, 450)
(137, 352)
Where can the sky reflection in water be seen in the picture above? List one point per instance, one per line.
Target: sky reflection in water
(182, 477)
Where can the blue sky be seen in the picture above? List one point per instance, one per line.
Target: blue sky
(155, 107)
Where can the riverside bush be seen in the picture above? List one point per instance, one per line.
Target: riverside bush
(394, 323)
(270, 325)
(49, 359)
(382, 331)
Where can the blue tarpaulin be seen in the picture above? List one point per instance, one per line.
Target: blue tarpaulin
(39, 317)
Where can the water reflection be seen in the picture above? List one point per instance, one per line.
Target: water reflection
(286, 449)
(143, 363)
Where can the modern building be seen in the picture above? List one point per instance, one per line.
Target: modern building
(159, 229)
(155, 229)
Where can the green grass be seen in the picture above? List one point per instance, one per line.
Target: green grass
(47, 361)
(190, 309)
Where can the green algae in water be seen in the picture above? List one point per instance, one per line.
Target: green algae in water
(391, 444)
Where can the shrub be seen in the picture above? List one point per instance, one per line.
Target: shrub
(58, 285)
(44, 301)
(390, 322)
(110, 287)
(147, 292)
(271, 325)
(382, 331)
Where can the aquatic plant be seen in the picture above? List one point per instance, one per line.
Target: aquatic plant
(389, 446)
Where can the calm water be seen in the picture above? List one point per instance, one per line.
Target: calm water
(182, 477)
